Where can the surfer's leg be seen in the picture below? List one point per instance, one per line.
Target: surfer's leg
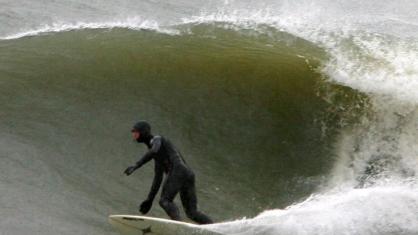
(189, 201)
(170, 190)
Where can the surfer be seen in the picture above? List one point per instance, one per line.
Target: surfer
(179, 177)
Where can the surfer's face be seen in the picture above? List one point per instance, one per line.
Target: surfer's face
(135, 135)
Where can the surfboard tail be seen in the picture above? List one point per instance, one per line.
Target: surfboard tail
(134, 225)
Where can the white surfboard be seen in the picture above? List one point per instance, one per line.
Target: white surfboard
(143, 225)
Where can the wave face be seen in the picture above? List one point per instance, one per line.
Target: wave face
(310, 107)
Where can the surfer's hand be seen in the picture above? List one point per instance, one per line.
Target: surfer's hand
(129, 170)
(145, 206)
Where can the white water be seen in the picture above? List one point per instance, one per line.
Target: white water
(379, 210)
(135, 23)
(381, 201)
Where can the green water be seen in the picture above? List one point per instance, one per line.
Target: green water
(251, 114)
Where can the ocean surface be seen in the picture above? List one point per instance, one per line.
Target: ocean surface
(298, 117)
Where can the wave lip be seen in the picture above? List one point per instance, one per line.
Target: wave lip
(135, 23)
(372, 62)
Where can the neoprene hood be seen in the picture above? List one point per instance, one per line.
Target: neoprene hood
(144, 128)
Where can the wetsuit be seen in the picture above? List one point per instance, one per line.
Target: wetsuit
(180, 178)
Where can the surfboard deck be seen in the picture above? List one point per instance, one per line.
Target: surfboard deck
(144, 225)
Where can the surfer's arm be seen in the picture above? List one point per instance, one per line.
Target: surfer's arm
(144, 159)
(155, 147)
(156, 183)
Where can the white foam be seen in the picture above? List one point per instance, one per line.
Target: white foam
(379, 210)
(135, 23)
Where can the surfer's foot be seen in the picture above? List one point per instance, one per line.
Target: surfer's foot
(199, 217)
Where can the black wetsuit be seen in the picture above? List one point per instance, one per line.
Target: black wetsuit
(180, 179)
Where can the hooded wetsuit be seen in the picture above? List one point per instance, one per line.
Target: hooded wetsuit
(180, 178)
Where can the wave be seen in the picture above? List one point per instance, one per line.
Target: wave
(372, 62)
(84, 88)
(272, 80)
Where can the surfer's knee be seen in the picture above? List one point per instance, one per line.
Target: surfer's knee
(164, 203)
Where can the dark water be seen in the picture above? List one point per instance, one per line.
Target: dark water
(246, 112)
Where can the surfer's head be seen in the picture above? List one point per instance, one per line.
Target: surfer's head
(141, 132)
